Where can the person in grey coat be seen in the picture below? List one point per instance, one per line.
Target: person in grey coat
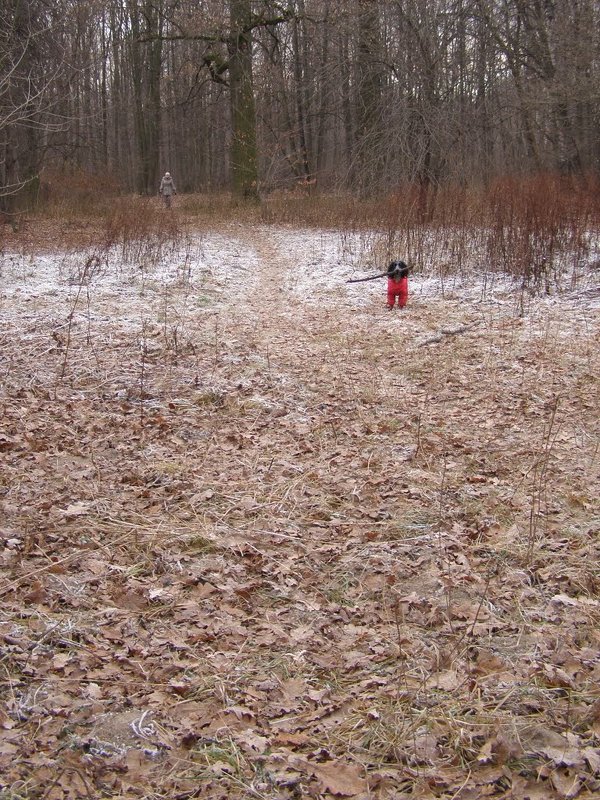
(167, 189)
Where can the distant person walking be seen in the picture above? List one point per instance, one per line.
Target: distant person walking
(167, 189)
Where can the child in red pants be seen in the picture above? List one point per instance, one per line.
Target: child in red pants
(397, 285)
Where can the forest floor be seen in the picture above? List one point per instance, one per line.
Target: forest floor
(262, 538)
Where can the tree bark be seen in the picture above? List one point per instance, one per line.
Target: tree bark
(146, 65)
(244, 159)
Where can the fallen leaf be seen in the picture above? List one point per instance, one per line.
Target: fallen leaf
(77, 509)
(340, 779)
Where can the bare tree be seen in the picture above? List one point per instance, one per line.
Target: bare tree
(244, 162)
(370, 112)
(29, 67)
(365, 95)
(145, 54)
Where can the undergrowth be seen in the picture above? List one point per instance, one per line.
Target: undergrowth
(540, 230)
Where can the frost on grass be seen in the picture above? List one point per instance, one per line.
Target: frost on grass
(260, 537)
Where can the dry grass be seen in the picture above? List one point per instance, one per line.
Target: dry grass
(299, 554)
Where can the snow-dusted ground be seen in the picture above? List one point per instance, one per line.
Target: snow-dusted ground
(213, 272)
(242, 499)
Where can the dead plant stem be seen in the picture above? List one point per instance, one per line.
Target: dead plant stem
(539, 487)
(144, 354)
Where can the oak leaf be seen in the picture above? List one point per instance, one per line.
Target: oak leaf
(340, 779)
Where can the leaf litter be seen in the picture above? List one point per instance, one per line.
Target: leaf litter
(260, 537)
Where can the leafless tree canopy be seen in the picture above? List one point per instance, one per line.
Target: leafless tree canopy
(354, 94)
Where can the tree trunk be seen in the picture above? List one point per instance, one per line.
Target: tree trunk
(21, 106)
(369, 75)
(301, 94)
(146, 66)
(244, 162)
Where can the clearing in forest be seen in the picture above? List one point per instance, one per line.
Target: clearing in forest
(262, 538)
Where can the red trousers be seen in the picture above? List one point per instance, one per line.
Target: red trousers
(397, 289)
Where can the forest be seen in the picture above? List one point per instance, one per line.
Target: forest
(265, 534)
(364, 96)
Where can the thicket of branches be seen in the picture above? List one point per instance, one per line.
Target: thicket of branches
(354, 95)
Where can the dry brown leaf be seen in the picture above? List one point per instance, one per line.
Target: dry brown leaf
(447, 680)
(78, 509)
(340, 778)
(566, 783)
(554, 746)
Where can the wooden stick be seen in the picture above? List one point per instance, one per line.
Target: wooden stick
(371, 278)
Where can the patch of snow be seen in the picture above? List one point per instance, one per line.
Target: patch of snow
(212, 271)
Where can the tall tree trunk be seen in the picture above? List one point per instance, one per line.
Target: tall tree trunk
(154, 19)
(369, 75)
(301, 92)
(244, 161)
(20, 132)
(324, 97)
(146, 66)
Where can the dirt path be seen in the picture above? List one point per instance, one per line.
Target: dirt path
(298, 314)
(279, 319)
